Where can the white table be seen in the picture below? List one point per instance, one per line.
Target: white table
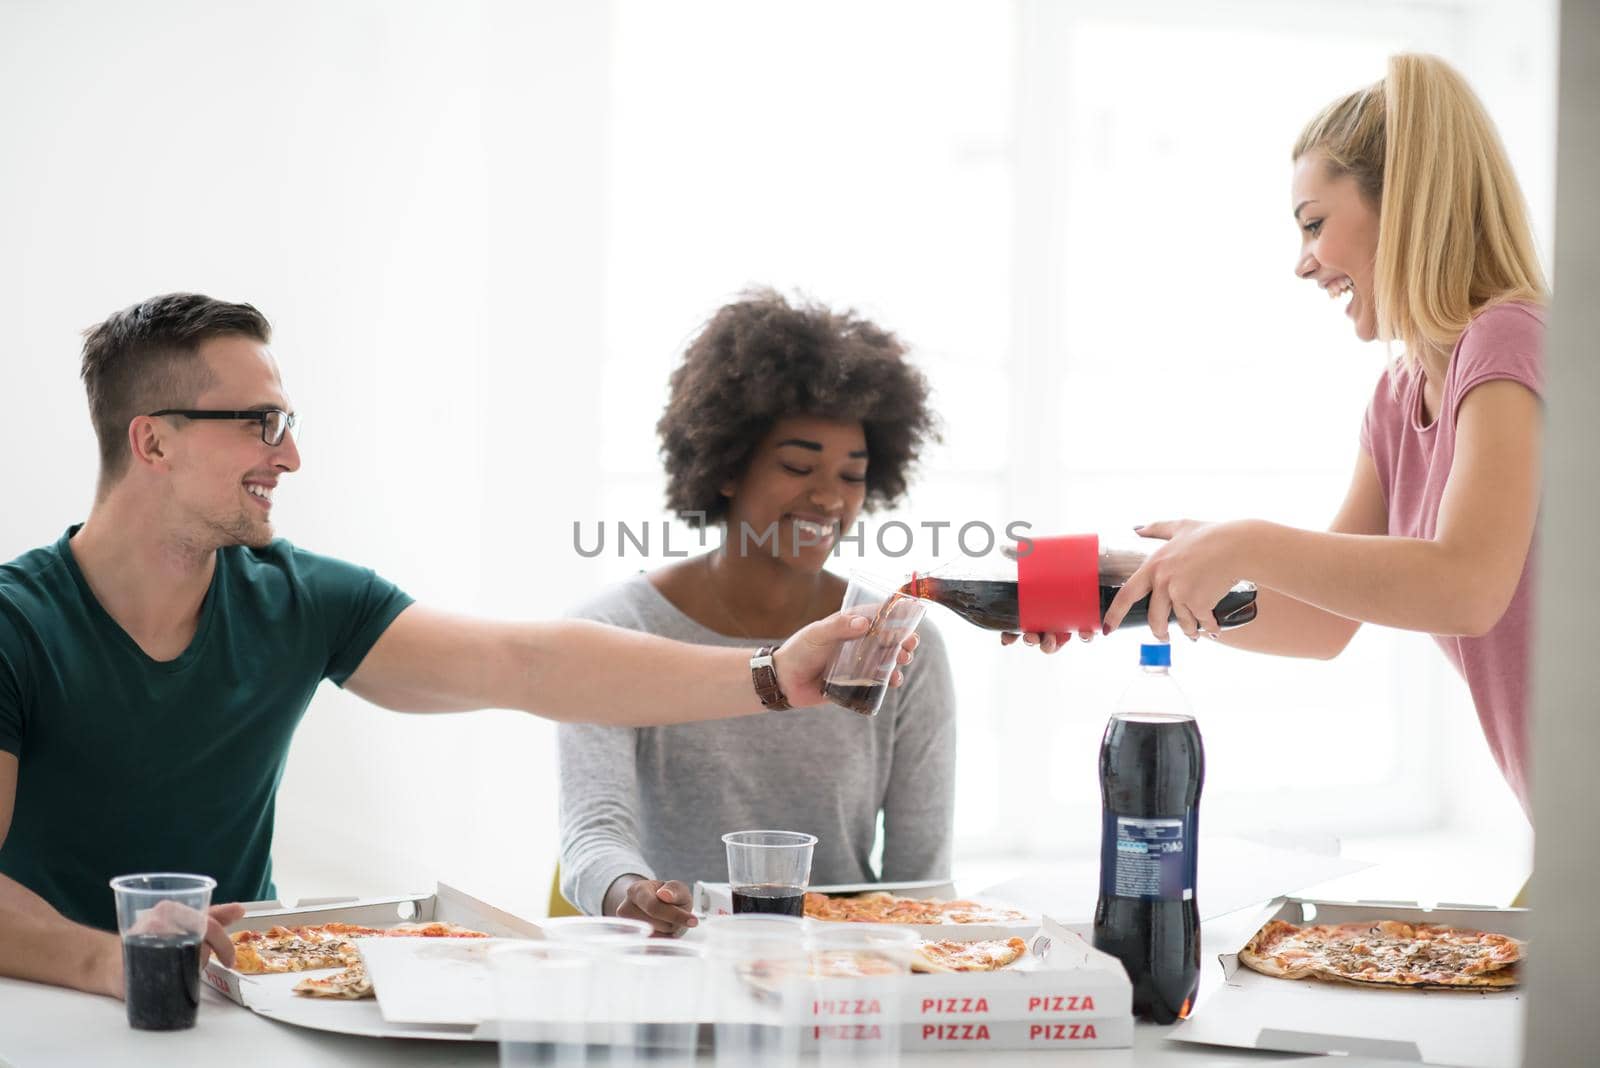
(42, 1025)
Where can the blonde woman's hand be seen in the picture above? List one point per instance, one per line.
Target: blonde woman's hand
(1185, 578)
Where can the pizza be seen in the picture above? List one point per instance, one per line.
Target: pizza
(327, 945)
(352, 984)
(851, 964)
(880, 906)
(985, 955)
(949, 955)
(1387, 953)
(297, 949)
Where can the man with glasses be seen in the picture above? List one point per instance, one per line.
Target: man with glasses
(155, 660)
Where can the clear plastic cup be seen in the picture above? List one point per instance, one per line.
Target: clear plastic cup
(654, 995)
(162, 917)
(757, 983)
(768, 871)
(858, 972)
(543, 998)
(755, 925)
(858, 678)
(592, 930)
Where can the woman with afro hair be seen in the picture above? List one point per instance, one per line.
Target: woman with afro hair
(785, 421)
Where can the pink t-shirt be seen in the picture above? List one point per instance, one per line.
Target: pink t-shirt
(1413, 461)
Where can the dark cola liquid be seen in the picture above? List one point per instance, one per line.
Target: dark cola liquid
(161, 976)
(1151, 771)
(779, 900)
(992, 603)
(865, 698)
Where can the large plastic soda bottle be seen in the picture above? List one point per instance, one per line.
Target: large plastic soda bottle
(1151, 768)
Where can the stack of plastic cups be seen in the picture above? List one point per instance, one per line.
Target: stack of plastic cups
(859, 973)
(653, 995)
(543, 993)
(758, 984)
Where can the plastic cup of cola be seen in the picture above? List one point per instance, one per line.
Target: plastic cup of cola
(768, 871)
(162, 917)
(859, 676)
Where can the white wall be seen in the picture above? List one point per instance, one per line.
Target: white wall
(413, 194)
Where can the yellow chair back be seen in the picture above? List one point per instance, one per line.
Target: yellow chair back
(559, 905)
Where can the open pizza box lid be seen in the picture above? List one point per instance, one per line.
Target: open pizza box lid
(1479, 1029)
(716, 899)
(272, 995)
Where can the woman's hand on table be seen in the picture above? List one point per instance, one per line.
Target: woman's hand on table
(663, 905)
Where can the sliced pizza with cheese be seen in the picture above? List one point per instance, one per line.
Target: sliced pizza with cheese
(1387, 953)
(880, 906)
(984, 955)
(323, 946)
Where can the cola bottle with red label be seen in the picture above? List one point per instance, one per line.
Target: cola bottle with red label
(1054, 585)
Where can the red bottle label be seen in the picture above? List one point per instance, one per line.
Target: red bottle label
(1058, 584)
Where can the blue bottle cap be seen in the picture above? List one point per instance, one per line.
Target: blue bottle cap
(1155, 655)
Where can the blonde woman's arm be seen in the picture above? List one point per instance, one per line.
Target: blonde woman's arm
(1458, 582)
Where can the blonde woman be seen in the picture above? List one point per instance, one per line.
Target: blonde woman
(1407, 206)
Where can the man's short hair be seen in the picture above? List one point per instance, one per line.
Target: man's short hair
(147, 357)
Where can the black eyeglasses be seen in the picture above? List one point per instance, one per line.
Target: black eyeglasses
(275, 422)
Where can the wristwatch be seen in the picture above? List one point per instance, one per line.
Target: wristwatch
(765, 675)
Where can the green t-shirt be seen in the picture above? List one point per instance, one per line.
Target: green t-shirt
(126, 764)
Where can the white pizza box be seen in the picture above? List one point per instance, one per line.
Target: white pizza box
(1475, 1029)
(1063, 994)
(432, 981)
(272, 995)
(716, 899)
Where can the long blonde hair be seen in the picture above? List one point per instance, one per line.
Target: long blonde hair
(1453, 234)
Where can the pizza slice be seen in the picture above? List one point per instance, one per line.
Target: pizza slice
(432, 929)
(983, 955)
(292, 949)
(851, 964)
(352, 984)
(880, 906)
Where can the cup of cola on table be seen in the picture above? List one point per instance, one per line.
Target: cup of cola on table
(162, 918)
(859, 676)
(768, 871)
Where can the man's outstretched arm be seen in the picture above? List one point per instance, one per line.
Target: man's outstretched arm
(579, 671)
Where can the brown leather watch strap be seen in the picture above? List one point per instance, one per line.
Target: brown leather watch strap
(765, 676)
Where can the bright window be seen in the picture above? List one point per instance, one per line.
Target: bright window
(1080, 221)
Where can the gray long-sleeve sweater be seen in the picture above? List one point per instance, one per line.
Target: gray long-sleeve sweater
(655, 801)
